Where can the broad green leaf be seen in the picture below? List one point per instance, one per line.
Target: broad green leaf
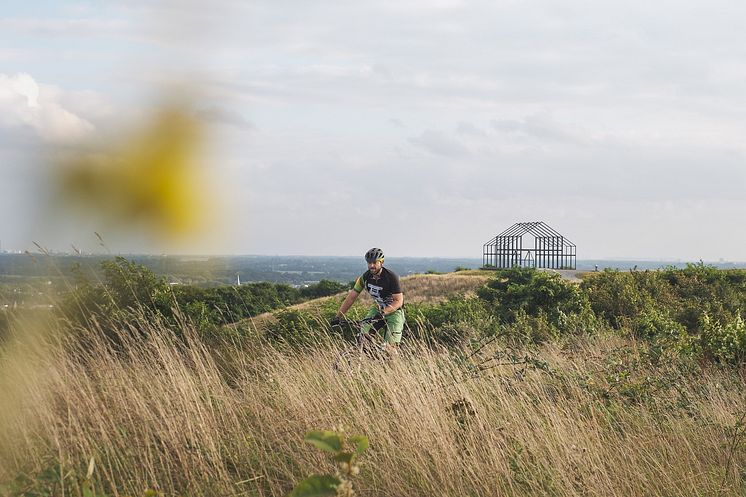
(324, 440)
(344, 457)
(316, 486)
(360, 442)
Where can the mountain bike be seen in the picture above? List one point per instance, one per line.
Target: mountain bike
(364, 345)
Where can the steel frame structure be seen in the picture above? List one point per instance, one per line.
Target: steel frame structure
(551, 250)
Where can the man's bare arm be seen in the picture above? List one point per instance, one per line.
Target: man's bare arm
(349, 300)
(396, 304)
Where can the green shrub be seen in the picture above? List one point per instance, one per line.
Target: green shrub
(301, 328)
(723, 342)
(684, 294)
(524, 329)
(345, 452)
(128, 288)
(695, 311)
(528, 292)
(293, 327)
(323, 288)
(620, 297)
(449, 323)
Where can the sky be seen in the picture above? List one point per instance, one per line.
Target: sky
(421, 127)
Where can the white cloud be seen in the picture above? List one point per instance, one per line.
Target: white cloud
(23, 102)
(439, 143)
(615, 118)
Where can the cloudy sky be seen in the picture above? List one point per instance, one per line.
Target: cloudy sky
(424, 127)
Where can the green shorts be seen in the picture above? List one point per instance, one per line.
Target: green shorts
(393, 328)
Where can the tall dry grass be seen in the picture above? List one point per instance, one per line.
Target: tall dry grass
(175, 415)
(438, 287)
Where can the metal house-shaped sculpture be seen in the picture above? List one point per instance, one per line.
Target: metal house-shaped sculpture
(550, 250)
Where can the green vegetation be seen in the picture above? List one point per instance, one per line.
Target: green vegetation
(695, 311)
(345, 452)
(516, 292)
(698, 310)
(51, 481)
(550, 387)
(129, 288)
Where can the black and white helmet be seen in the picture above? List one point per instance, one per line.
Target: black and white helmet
(373, 255)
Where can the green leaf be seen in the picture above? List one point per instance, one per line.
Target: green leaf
(360, 442)
(316, 486)
(344, 457)
(324, 440)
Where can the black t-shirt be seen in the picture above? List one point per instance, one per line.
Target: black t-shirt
(381, 287)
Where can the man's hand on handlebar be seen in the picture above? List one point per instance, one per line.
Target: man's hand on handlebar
(380, 316)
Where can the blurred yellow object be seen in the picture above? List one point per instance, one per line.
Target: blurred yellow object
(149, 181)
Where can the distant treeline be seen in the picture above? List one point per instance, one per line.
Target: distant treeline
(128, 287)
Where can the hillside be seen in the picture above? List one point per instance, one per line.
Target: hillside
(430, 288)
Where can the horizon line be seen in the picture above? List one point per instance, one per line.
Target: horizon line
(720, 260)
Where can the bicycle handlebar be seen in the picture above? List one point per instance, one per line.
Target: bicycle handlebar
(372, 319)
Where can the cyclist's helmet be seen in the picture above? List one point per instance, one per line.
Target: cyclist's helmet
(373, 255)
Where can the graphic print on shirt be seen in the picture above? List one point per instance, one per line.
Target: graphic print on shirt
(381, 287)
(375, 292)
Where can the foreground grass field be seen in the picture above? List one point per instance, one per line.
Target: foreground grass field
(593, 415)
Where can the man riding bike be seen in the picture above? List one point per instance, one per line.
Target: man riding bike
(384, 287)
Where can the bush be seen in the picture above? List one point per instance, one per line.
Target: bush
(323, 288)
(293, 328)
(620, 297)
(450, 323)
(128, 287)
(683, 294)
(723, 342)
(528, 292)
(696, 310)
(130, 293)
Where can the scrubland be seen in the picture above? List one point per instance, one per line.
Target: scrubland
(483, 404)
